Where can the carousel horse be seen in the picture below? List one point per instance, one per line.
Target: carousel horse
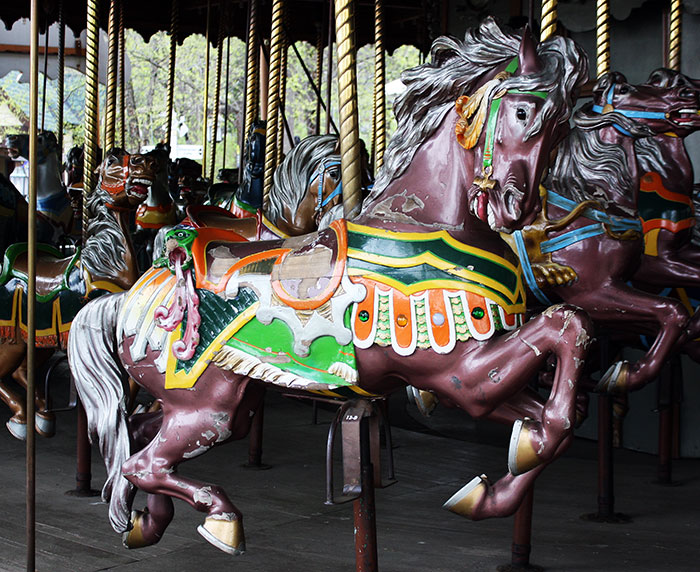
(73, 170)
(249, 196)
(105, 264)
(52, 199)
(11, 226)
(587, 242)
(222, 194)
(418, 289)
(188, 185)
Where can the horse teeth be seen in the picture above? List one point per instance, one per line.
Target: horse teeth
(491, 216)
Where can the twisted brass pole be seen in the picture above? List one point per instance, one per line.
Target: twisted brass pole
(674, 36)
(602, 37)
(319, 78)
(217, 94)
(61, 70)
(329, 64)
(122, 77)
(31, 286)
(347, 91)
(283, 97)
(91, 99)
(273, 97)
(379, 116)
(111, 97)
(206, 97)
(46, 75)
(252, 69)
(228, 67)
(174, 16)
(548, 22)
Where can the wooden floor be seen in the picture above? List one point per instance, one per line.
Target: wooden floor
(288, 528)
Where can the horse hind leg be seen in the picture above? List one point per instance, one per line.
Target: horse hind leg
(11, 356)
(154, 470)
(45, 422)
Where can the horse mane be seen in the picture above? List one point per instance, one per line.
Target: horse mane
(587, 166)
(291, 179)
(104, 250)
(454, 70)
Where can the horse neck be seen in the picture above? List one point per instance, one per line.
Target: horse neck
(679, 169)
(159, 194)
(432, 192)
(49, 177)
(622, 197)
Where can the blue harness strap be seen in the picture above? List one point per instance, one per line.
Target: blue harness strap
(631, 113)
(527, 269)
(616, 223)
(571, 237)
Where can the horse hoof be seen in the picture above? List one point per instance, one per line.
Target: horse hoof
(521, 454)
(616, 379)
(17, 430)
(224, 533)
(426, 401)
(466, 498)
(46, 425)
(134, 538)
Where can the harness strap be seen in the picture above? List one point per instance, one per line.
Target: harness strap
(631, 113)
(572, 237)
(616, 223)
(527, 269)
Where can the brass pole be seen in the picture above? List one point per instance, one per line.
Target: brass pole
(46, 75)
(273, 98)
(264, 79)
(674, 36)
(31, 286)
(112, 59)
(122, 77)
(228, 62)
(252, 70)
(174, 15)
(548, 22)
(379, 124)
(217, 94)
(319, 78)
(206, 98)
(329, 65)
(283, 97)
(91, 99)
(602, 37)
(347, 91)
(61, 70)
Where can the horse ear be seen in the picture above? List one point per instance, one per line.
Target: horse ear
(529, 61)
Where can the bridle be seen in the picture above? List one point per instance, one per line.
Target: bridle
(323, 167)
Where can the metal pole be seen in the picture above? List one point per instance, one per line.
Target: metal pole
(347, 90)
(31, 286)
(206, 97)
(329, 65)
(318, 80)
(548, 21)
(364, 510)
(674, 36)
(174, 16)
(91, 99)
(228, 61)
(379, 123)
(522, 534)
(122, 77)
(112, 60)
(217, 93)
(602, 37)
(61, 70)
(281, 119)
(252, 71)
(46, 66)
(273, 98)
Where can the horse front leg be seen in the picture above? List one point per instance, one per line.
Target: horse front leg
(491, 382)
(11, 357)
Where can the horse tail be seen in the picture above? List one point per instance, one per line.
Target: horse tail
(101, 383)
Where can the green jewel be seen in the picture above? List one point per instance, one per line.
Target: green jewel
(363, 315)
(478, 313)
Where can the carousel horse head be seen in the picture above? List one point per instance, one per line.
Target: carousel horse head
(664, 104)
(228, 175)
(307, 186)
(75, 162)
(513, 100)
(126, 178)
(191, 186)
(18, 145)
(687, 120)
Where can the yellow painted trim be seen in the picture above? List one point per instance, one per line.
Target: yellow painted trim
(185, 380)
(91, 286)
(651, 242)
(685, 300)
(15, 305)
(269, 224)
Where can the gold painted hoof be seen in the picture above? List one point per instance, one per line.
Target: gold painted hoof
(466, 498)
(134, 538)
(224, 533)
(522, 456)
(426, 401)
(615, 381)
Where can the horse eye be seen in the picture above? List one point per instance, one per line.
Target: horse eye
(686, 92)
(521, 114)
(624, 89)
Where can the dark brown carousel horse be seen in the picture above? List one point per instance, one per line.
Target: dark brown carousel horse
(587, 243)
(416, 290)
(105, 264)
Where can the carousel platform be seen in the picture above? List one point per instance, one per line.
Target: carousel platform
(289, 528)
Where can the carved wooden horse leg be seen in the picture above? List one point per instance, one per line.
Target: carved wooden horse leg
(45, 422)
(11, 357)
(561, 330)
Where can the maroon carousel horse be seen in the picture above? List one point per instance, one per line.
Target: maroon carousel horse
(414, 291)
(587, 242)
(105, 264)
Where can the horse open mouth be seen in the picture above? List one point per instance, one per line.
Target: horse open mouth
(480, 206)
(177, 256)
(682, 116)
(139, 187)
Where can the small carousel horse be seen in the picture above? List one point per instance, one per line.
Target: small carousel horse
(105, 264)
(416, 290)
(190, 188)
(52, 199)
(592, 245)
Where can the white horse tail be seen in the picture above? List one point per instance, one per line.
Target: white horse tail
(101, 383)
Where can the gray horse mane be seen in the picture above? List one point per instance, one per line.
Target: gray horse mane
(586, 166)
(454, 70)
(103, 253)
(291, 178)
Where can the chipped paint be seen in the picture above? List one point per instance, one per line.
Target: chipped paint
(571, 383)
(208, 435)
(227, 516)
(198, 451)
(549, 312)
(203, 496)
(567, 423)
(456, 382)
(583, 339)
(532, 346)
(568, 316)
(579, 362)
(493, 375)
